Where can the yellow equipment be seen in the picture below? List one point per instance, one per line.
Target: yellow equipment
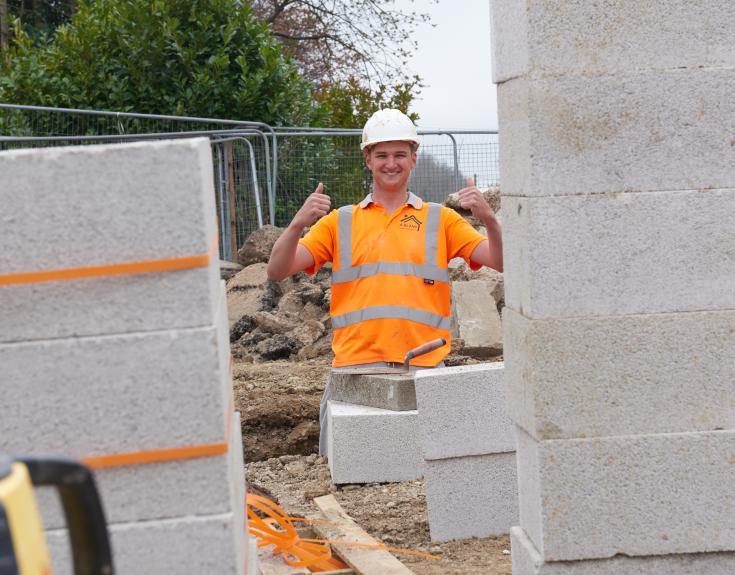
(23, 549)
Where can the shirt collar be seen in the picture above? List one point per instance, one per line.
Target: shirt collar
(413, 200)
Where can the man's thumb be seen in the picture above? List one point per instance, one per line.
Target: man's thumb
(470, 181)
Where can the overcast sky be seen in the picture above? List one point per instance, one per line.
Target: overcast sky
(453, 59)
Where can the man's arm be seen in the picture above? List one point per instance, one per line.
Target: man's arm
(288, 256)
(490, 252)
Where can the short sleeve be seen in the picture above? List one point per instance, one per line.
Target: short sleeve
(320, 241)
(462, 238)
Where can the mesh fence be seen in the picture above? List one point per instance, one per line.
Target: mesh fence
(263, 174)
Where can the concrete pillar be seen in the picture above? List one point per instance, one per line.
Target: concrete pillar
(99, 359)
(617, 165)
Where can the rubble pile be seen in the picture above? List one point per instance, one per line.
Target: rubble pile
(279, 320)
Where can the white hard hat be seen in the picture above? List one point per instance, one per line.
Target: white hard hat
(388, 125)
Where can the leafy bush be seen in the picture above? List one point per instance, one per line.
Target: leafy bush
(207, 58)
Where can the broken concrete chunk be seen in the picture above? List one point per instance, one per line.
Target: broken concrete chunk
(476, 318)
(253, 276)
(258, 245)
(308, 332)
(271, 323)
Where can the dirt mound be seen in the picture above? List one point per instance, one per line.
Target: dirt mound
(279, 403)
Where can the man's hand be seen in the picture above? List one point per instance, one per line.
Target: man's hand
(315, 206)
(470, 198)
(488, 253)
(287, 255)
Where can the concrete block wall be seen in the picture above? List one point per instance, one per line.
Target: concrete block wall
(124, 363)
(618, 171)
(468, 443)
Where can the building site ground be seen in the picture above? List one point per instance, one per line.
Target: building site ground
(279, 402)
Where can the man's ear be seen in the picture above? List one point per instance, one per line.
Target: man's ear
(366, 154)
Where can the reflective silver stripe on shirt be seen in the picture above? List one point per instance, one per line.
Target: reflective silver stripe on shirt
(391, 312)
(393, 268)
(432, 234)
(428, 270)
(344, 237)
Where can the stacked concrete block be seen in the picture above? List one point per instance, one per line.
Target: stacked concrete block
(468, 443)
(104, 360)
(618, 171)
(372, 445)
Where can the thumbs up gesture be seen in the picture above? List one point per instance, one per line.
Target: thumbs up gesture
(470, 198)
(315, 206)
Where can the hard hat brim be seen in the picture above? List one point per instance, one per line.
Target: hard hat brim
(364, 145)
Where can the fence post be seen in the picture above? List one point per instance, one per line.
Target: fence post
(231, 199)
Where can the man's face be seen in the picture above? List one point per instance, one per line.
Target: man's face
(391, 164)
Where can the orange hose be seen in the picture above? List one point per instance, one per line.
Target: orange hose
(277, 529)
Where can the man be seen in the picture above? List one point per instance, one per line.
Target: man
(389, 254)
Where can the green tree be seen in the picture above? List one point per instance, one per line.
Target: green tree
(350, 103)
(185, 57)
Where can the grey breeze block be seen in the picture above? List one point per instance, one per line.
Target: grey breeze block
(110, 394)
(614, 254)
(473, 496)
(393, 392)
(462, 411)
(163, 490)
(105, 205)
(633, 495)
(527, 561)
(367, 444)
(194, 545)
(581, 37)
(619, 375)
(640, 131)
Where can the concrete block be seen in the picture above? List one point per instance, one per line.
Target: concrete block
(367, 444)
(241, 539)
(476, 318)
(618, 133)
(461, 411)
(620, 375)
(155, 491)
(394, 392)
(632, 495)
(615, 254)
(527, 561)
(471, 496)
(580, 37)
(107, 205)
(121, 304)
(113, 394)
(164, 490)
(185, 546)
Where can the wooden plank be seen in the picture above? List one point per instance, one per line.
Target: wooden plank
(341, 527)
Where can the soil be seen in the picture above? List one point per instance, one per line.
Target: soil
(279, 403)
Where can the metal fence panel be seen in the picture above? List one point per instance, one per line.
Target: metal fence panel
(263, 174)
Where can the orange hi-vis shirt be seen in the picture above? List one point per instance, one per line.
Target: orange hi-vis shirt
(390, 277)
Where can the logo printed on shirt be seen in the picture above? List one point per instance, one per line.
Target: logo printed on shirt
(410, 222)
